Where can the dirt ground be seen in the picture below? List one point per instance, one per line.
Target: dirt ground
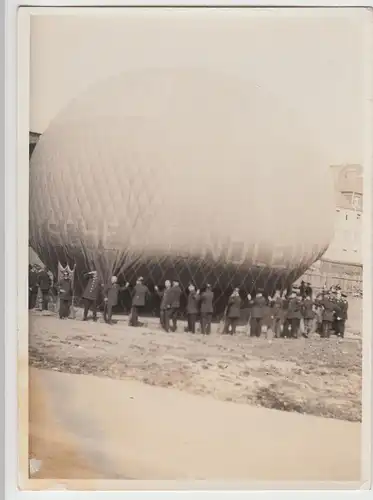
(311, 376)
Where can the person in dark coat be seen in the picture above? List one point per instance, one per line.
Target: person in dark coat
(173, 306)
(207, 309)
(233, 312)
(65, 289)
(277, 313)
(308, 315)
(341, 314)
(139, 297)
(294, 314)
(308, 290)
(91, 294)
(192, 308)
(32, 287)
(258, 310)
(111, 292)
(44, 283)
(329, 307)
(302, 289)
(164, 301)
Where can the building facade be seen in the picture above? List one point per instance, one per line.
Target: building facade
(342, 263)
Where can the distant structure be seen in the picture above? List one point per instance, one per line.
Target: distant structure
(343, 261)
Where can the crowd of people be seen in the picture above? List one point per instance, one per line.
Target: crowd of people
(288, 314)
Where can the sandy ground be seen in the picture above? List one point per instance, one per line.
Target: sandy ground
(316, 376)
(97, 427)
(190, 427)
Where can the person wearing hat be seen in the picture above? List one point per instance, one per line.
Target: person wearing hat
(329, 307)
(140, 295)
(44, 283)
(192, 308)
(32, 287)
(308, 314)
(277, 313)
(163, 295)
(66, 294)
(294, 314)
(111, 293)
(207, 309)
(308, 290)
(91, 294)
(172, 306)
(341, 314)
(258, 309)
(233, 312)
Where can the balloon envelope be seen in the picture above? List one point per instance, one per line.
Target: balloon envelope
(190, 174)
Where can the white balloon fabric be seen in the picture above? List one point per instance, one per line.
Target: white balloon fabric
(190, 174)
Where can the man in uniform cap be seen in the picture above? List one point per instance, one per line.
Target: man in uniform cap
(329, 307)
(294, 314)
(173, 306)
(111, 292)
(258, 308)
(164, 294)
(91, 294)
(277, 313)
(233, 312)
(207, 309)
(308, 314)
(44, 283)
(341, 315)
(32, 287)
(192, 308)
(139, 297)
(66, 294)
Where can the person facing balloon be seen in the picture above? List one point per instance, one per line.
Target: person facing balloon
(233, 312)
(192, 308)
(163, 294)
(66, 294)
(207, 309)
(91, 294)
(258, 309)
(111, 292)
(173, 306)
(139, 298)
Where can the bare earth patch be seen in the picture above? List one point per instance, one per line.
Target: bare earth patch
(314, 376)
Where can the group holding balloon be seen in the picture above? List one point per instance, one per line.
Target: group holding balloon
(288, 314)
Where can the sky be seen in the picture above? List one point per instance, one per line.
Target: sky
(312, 61)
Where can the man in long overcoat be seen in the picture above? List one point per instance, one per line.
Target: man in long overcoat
(308, 314)
(294, 314)
(111, 293)
(139, 298)
(44, 283)
(91, 294)
(164, 301)
(258, 310)
(192, 308)
(233, 312)
(173, 306)
(277, 313)
(207, 309)
(65, 289)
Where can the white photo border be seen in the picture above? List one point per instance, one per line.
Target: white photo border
(14, 252)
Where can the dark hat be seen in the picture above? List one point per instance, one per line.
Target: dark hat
(344, 295)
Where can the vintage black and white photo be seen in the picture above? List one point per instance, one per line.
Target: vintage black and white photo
(195, 280)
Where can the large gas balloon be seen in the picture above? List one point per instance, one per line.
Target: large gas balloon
(187, 174)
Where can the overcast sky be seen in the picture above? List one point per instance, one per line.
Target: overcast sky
(313, 62)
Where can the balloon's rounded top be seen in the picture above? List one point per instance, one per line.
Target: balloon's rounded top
(164, 163)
